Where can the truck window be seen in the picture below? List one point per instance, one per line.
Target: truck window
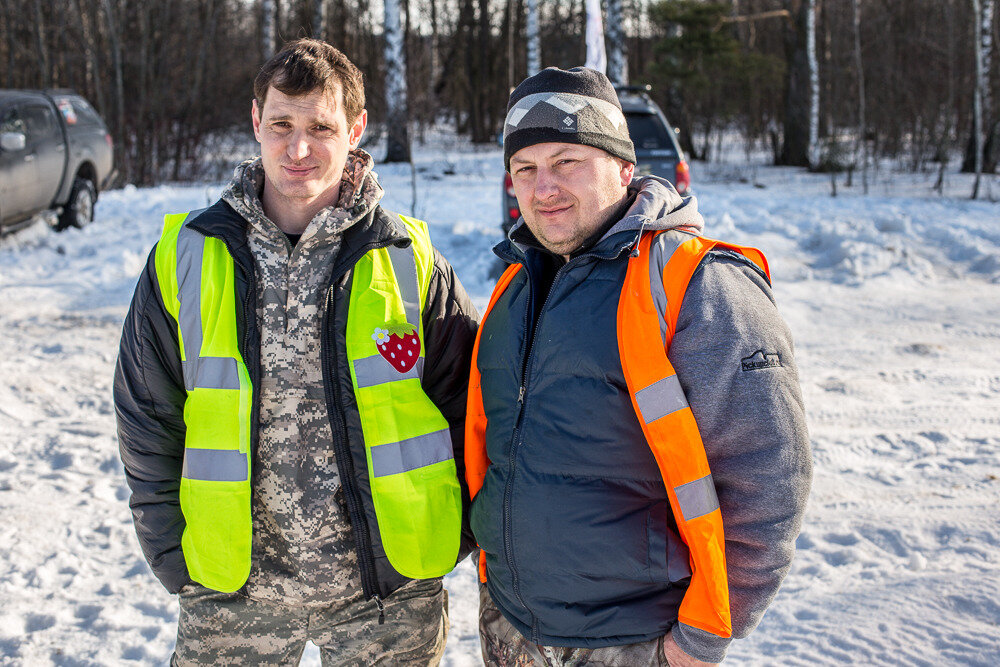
(11, 121)
(39, 122)
(648, 132)
(85, 114)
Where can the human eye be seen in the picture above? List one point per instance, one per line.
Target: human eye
(525, 169)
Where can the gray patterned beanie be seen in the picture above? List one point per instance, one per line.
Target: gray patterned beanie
(576, 106)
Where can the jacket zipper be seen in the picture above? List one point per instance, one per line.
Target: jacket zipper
(366, 558)
(342, 452)
(514, 445)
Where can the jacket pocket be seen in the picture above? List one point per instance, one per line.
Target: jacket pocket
(668, 556)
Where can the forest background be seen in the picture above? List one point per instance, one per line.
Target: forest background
(832, 85)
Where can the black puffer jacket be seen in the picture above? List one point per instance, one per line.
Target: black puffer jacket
(149, 390)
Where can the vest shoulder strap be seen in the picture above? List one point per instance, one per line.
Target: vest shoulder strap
(674, 256)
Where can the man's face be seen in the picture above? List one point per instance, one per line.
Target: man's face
(304, 142)
(566, 192)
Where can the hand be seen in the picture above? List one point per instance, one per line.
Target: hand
(678, 658)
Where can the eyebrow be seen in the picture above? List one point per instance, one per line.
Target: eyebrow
(558, 153)
(317, 120)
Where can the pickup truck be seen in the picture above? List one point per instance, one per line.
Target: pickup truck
(55, 156)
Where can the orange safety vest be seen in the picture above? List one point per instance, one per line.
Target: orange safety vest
(647, 319)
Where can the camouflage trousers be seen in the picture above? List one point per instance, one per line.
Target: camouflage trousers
(504, 646)
(230, 629)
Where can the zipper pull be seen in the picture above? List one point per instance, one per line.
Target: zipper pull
(381, 609)
(520, 395)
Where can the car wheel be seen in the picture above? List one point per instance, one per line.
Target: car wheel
(79, 210)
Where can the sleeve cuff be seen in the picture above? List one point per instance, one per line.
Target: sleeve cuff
(700, 644)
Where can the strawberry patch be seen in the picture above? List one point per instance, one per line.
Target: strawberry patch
(399, 345)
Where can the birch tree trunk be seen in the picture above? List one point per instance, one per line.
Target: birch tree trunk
(396, 117)
(813, 149)
(596, 56)
(617, 48)
(801, 97)
(978, 94)
(534, 38)
(269, 19)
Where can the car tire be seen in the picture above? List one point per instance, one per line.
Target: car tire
(79, 210)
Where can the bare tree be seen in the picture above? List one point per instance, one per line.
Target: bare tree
(861, 144)
(981, 83)
(801, 100)
(534, 39)
(396, 117)
(269, 23)
(321, 14)
(617, 48)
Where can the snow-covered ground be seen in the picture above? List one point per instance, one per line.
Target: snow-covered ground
(895, 306)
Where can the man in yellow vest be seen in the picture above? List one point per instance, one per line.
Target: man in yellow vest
(290, 395)
(636, 445)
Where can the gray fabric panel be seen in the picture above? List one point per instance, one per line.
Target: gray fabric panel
(423, 450)
(678, 558)
(660, 399)
(697, 498)
(405, 267)
(660, 252)
(190, 248)
(376, 370)
(215, 465)
(213, 373)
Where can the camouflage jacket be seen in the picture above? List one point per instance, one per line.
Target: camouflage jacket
(149, 389)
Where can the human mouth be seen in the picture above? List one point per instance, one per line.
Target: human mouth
(552, 210)
(297, 171)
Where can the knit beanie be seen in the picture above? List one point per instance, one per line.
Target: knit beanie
(576, 106)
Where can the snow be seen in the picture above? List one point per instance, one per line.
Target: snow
(894, 302)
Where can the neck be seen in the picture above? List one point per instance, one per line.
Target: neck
(292, 215)
(614, 213)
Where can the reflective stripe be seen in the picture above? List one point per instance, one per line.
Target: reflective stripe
(660, 399)
(190, 248)
(660, 252)
(404, 265)
(212, 373)
(374, 370)
(697, 498)
(410, 454)
(215, 465)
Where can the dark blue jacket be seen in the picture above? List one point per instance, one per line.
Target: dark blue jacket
(573, 517)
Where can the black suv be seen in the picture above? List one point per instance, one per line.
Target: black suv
(657, 151)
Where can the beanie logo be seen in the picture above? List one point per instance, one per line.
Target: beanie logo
(569, 124)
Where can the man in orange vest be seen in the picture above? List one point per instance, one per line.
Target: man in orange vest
(636, 445)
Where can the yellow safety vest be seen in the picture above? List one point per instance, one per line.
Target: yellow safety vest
(411, 468)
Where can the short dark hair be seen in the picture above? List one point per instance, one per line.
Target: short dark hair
(306, 65)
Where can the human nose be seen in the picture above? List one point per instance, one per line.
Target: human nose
(546, 184)
(298, 146)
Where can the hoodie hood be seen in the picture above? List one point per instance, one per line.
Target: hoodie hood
(655, 206)
(359, 193)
